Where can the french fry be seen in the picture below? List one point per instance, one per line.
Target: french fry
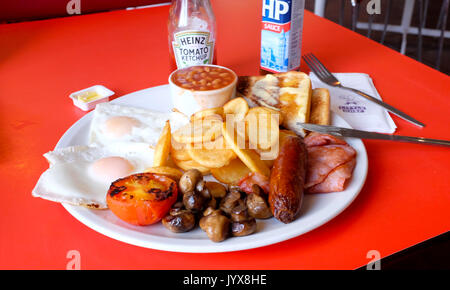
(249, 157)
(207, 112)
(269, 156)
(238, 107)
(262, 128)
(179, 151)
(275, 113)
(211, 155)
(170, 172)
(269, 162)
(200, 130)
(191, 164)
(162, 148)
(231, 173)
(287, 132)
(170, 162)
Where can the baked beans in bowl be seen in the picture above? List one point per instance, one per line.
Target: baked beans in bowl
(201, 87)
(203, 78)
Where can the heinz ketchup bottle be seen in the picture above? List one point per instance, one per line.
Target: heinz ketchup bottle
(192, 33)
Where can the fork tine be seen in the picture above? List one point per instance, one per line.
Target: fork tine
(305, 58)
(319, 69)
(320, 64)
(313, 66)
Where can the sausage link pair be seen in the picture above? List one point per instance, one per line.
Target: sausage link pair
(287, 180)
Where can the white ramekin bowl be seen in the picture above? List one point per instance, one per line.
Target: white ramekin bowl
(190, 101)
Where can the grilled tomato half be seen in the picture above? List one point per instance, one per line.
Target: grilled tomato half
(143, 198)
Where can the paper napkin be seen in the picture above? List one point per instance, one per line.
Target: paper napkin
(360, 113)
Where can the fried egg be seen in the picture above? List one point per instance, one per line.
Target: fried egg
(117, 123)
(82, 175)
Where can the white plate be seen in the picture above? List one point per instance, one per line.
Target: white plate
(317, 209)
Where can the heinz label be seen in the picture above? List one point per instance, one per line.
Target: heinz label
(281, 34)
(192, 48)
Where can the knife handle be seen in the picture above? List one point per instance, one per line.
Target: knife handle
(420, 140)
(380, 136)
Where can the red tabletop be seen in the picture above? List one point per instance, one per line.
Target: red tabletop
(405, 199)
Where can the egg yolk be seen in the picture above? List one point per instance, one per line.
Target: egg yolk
(109, 169)
(117, 127)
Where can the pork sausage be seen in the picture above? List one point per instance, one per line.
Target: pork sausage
(287, 180)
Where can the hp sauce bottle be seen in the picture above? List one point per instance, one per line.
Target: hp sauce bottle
(281, 35)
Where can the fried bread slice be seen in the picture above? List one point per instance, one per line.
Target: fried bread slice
(289, 92)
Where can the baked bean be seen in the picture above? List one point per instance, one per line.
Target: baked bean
(203, 78)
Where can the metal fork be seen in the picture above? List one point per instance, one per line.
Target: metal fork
(325, 76)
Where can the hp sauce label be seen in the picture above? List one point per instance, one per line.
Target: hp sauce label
(281, 34)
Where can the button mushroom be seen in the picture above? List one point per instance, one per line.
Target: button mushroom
(216, 226)
(239, 213)
(179, 221)
(243, 228)
(257, 205)
(216, 189)
(189, 180)
(202, 189)
(193, 201)
(212, 203)
(230, 200)
(208, 211)
(177, 206)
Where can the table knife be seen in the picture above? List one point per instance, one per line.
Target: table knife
(345, 132)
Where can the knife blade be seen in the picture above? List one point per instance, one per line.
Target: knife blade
(346, 132)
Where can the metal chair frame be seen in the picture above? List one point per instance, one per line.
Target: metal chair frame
(404, 28)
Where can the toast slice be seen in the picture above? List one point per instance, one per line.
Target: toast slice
(289, 92)
(320, 107)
